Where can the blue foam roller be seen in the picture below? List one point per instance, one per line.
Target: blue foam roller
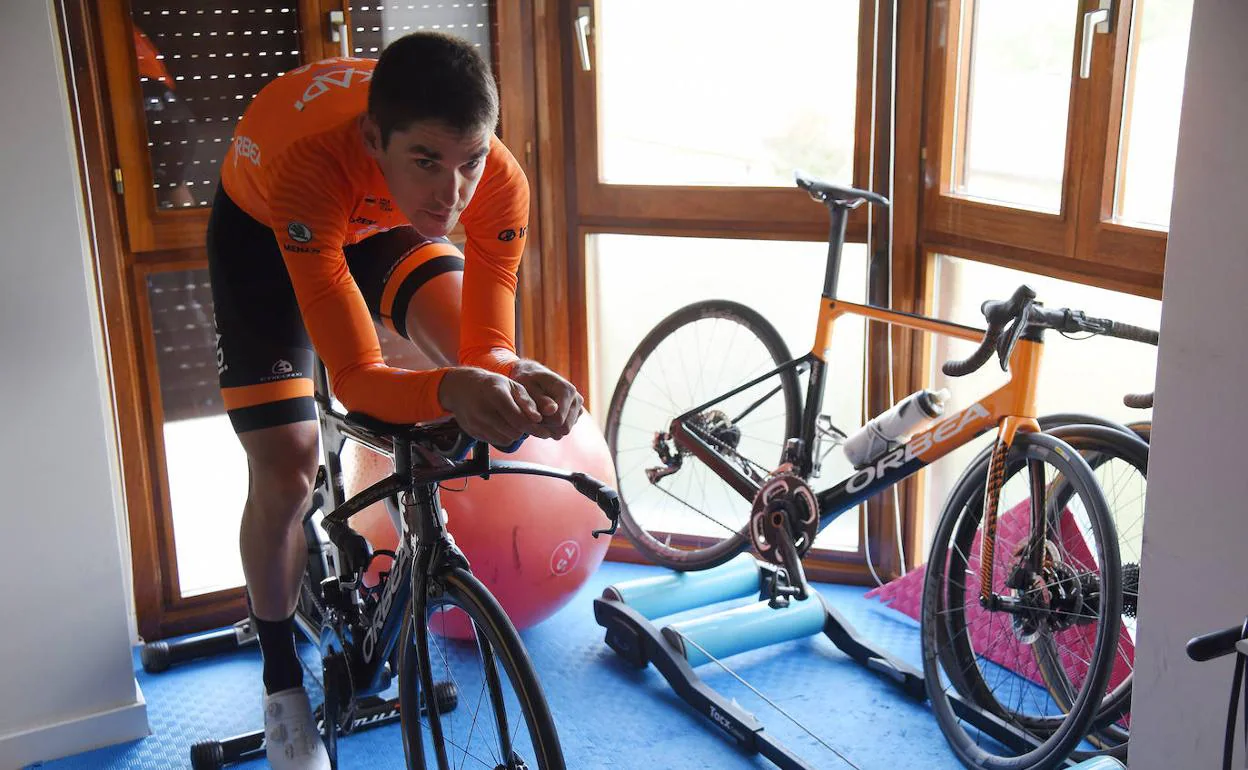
(745, 628)
(655, 597)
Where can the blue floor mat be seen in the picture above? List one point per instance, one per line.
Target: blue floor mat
(609, 714)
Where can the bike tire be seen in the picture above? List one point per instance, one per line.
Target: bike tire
(1100, 442)
(684, 556)
(459, 588)
(946, 636)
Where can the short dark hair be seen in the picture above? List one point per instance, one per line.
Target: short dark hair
(432, 76)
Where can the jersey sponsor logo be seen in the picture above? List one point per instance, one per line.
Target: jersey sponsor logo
(338, 78)
(221, 364)
(299, 232)
(245, 147)
(363, 221)
(297, 249)
(282, 366)
(507, 235)
(385, 204)
(365, 232)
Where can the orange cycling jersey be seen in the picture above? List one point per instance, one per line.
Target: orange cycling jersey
(298, 164)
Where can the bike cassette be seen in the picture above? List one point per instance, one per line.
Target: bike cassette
(785, 506)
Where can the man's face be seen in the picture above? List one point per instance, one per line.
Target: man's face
(432, 171)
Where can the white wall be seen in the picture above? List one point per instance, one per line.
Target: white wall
(1196, 528)
(68, 682)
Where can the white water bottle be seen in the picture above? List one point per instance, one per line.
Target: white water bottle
(885, 431)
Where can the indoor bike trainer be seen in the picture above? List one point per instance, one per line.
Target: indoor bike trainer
(786, 610)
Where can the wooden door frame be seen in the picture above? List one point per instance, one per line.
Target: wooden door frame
(130, 368)
(103, 75)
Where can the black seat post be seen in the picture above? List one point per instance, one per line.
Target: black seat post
(836, 240)
(402, 458)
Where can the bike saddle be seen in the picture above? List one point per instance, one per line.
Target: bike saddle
(828, 192)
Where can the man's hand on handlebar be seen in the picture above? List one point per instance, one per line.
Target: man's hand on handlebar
(488, 406)
(557, 399)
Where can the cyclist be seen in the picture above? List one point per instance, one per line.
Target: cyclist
(341, 185)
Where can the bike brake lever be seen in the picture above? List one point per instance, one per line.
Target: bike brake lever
(1011, 335)
(606, 498)
(608, 501)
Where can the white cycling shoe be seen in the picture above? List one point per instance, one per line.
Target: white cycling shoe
(291, 740)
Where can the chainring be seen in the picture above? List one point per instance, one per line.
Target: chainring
(784, 505)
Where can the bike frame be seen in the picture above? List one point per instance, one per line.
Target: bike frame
(425, 551)
(1010, 408)
(378, 630)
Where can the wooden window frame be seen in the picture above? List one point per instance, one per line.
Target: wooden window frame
(1082, 241)
(1101, 239)
(147, 227)
(775, 212)
(1094, 249)
(576, 204)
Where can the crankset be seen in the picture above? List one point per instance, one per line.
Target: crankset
(783, 526)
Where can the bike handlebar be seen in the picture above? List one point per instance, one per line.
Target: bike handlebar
(1215, 644)
(998, 313)
(446, 439)
(1020, 313)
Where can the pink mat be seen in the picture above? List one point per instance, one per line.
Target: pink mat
(991, 633)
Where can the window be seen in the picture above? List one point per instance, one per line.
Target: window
(673, 122)
(196, 70)
(683, 152)
(1047, 148)
(749, 121)
(206, 466)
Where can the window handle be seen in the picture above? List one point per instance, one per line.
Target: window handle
(1093, 22)
(582, 35)
(338, 32)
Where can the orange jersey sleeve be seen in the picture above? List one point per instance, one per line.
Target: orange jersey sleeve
(496, 223)
(311, 195)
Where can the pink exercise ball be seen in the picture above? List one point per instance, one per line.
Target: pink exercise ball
(527, 537)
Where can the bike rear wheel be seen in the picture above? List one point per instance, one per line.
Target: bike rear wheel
(502, 719)
(675, 509)
(1058, 569)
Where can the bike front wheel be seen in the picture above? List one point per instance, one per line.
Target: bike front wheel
(1054, 590)
(674, 508)
(465, 640)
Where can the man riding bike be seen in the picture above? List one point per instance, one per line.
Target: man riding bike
(342, 183)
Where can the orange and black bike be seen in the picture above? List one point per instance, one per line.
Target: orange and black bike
(716, 451)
